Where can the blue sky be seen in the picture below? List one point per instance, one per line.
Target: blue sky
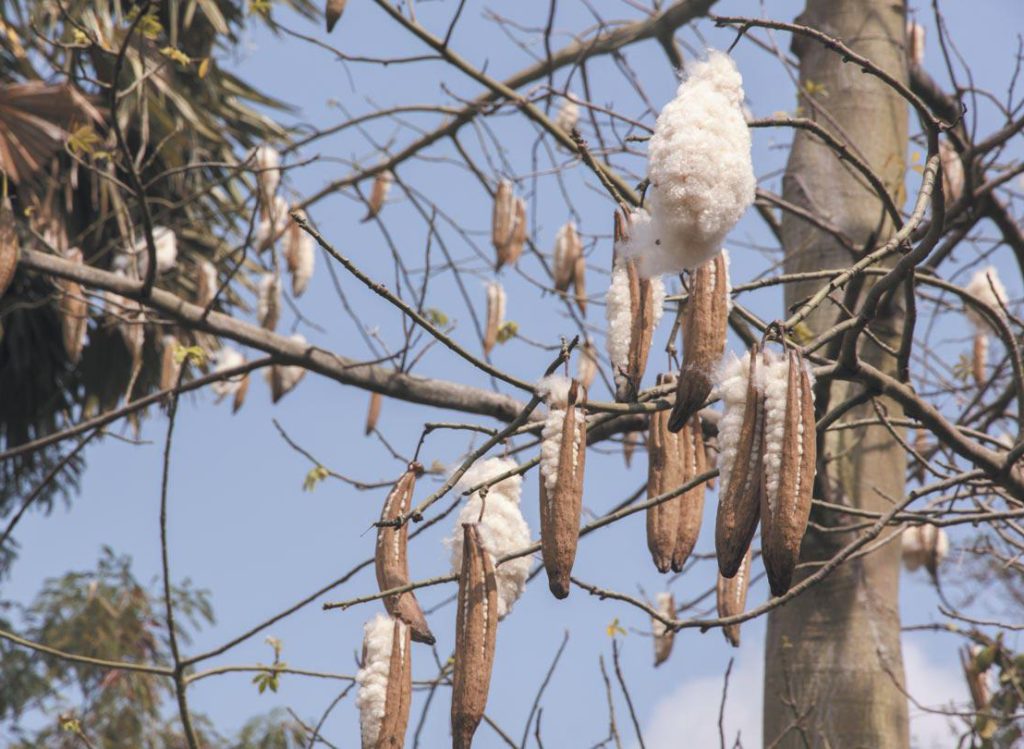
(240, 524)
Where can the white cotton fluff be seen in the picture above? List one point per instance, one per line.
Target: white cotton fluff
(664, 604)
(915, 43)
(618, 307)
(979, 288)
(207, 283)
(269, 175)
(166, 242)
(372, 678)
(555, 391)
(502, 527)
(698, 163)
(775, 375)
(270, 228)
(728, 284)
(732, 389)
(224, 359)
(303, 258)
(568, 116)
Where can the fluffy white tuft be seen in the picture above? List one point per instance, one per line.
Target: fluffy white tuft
(775, 373)
(269, 175)
(166, 242)
(993, 294)
(372, 678)
(568, 116)
(226, 358)
(620, 319)
(502, 527)
(304, 260)
(732, 389)
(665, 605)
(554, 389)
(698, 162)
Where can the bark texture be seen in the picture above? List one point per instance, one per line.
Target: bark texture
(834, 668)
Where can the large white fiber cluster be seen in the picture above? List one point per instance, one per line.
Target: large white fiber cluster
(502, 527)
(698, 163)
(372, 678)
(993, 294)
(732, 389)
(555, 391)
(775, 377)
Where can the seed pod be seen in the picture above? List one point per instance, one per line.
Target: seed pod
(705, 325)
(789, 464)
(74, 312)
(391, 561)
(502, 220)
(568, 248)
(10, 247)
(740, 437)
(283, 378)
(563, 453)
(515, 247)
(976, 676)
(926, 545)
(206, 283)
(373, 413)
(379, 193)
(915, 43)
(385, 683)
(979, 357)
(224, 359)
(691, 502)
(732, 598)
(629, 443)
(495, 314)
(568, 116)
(986, 288)
(268, 303)
(634, 307)
(239, 399)
(663, 636)
(268, 177)
(333, 12)
(476, 629)
(952, 172)
(579, 280)
(300, 255)
(664, 473)
(169, 368)
(586, 367)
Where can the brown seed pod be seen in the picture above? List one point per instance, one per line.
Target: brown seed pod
(788, 468)
(629, 443)
(979, 357)
(206, 283)
(579, 280)
(586, 367)
(10, 247)
(561, 503)
(74, 312)
(739, 502)
(169, 368)
(379, 193)
(568, 248)
(692, 461)
(664, 473)
(399, 691)
(952, 172)
(391, 560)
(495, 314)
(731, 593)
(705, 324)
(373, 413)
(268, 302)
(333, 12)
(503, 221)
(476, 629)
(515, 247)
(240, 391)
(663, 636)
(977, 677)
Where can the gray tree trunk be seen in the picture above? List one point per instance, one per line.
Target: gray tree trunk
(834, 669)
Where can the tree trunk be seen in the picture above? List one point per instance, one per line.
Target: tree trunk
(834, 669)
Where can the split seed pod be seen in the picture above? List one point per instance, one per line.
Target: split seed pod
(283, 378)
(586, 367)
(915, 43)
(705, 325)
(476, 629)
(495, 314)
(229, 358)
(924, 545)
(789, 464)
(74, 312)
(732, 598)
(663, 636)
(502, 220)
(300, 255)
(206, 283)
(385, 684)
(515, 247)
(568, 248)
(268, 303)
(634, 306)
(952, 172)
(563, 453)
(391, 560)
(10, 247)
(629, 443)
(740, 436)
(691, 511)
(169, 368)
(568, 116)
(379, 193)
(985, 287)
(268, 177)
(579, 280)
(373, 413)
(333, 12)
